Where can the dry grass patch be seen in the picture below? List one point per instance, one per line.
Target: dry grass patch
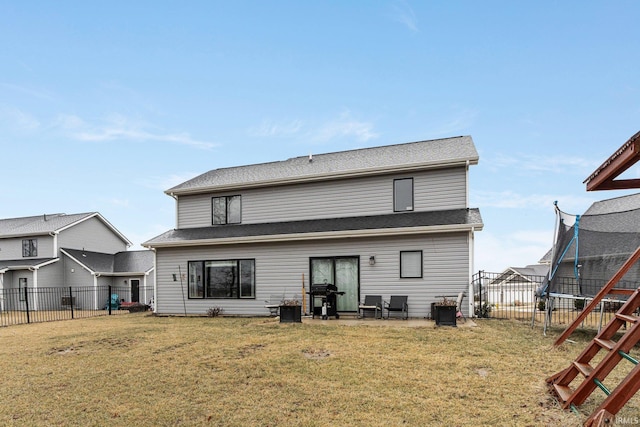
(145, 370)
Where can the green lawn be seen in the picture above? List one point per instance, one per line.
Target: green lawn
(171, 371)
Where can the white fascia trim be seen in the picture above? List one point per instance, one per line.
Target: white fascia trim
(324, 235)
(327, 176)
(51, 261)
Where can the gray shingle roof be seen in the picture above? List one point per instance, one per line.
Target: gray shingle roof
(40, 224)
(455, 217)
(121, 262)
(421, 154)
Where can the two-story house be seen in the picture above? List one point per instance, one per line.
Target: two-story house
(389, 220)
(75, 250)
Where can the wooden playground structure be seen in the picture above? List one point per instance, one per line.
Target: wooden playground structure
(585, 366)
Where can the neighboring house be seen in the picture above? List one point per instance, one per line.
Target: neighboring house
(46, 251)
(390, 220)
(516, 285)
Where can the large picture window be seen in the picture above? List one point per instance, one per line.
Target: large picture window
(226, 210)
(222, 279)
(29, 247)
(410, 264)
(403, 195)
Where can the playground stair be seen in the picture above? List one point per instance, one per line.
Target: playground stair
(593, 374)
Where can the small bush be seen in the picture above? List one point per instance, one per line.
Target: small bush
(484, 310)
(214, 312)
(542, 304)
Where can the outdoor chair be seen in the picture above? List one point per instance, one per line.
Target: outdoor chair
(399, 304)
(371, 303)
(459, 312)
(274, 304)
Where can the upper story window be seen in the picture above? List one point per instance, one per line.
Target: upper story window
(226, 210)
(29, 247)
(403, 195)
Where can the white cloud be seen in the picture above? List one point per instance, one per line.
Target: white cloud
(404, 14)
(18, 119)
(495, 253)
(510, 200)
(458, 124)
(345, 126)
(546, 163)
(117, 128)
(269, 128)
(165, 182)
(119, 202)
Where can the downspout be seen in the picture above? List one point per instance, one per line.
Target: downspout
(2, 291)
(466, 185)
(55, 243)
(470, 291)
(177, 218)
(95, 290)
(155, 281)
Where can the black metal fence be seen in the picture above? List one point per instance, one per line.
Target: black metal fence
(34, 305)
(509, 295)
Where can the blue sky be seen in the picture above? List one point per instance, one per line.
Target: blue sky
(103, 106)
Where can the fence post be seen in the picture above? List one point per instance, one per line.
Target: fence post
(26, 302)
(109, 300)
(71, 300)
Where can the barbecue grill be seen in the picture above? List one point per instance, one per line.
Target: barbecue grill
(324, 300)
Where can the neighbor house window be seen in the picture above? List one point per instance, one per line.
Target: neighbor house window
(29, 247)
(403, 195)
(226, 210)
(410, 264)
(222, 279)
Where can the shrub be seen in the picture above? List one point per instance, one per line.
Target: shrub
(214, 311)
(484, 310)
(542, 304)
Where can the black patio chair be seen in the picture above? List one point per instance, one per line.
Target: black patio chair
(371, 303)
(399, 304)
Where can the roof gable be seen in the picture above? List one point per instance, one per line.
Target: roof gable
(50, 223)
(367, 161)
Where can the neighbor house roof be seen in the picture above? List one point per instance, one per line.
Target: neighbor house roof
(361, 226)
(24, 264)
(121, 263)
(362, 162)
(49, 224)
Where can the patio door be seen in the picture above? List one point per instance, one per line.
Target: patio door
(344, 272)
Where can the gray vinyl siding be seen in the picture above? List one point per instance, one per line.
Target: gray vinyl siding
(280, 267)
(11, 249)
(50, 276)
(433, 190)
(92, 235)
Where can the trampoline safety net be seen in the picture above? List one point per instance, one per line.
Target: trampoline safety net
(589, 249)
